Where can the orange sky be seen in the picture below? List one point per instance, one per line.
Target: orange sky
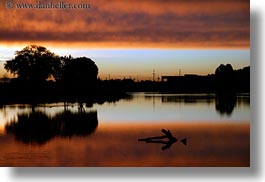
(124, 23)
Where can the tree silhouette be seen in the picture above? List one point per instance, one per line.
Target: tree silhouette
(33, 63)
(225, 78)
(224, 70)
(79, 73)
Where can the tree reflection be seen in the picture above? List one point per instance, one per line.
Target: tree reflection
(225, 103)
(38, 127)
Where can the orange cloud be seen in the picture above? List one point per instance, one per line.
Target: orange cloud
(204, 23)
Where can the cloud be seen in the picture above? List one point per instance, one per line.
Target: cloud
(155, 23)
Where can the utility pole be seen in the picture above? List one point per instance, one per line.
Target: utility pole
(179, 72)
(154, 74)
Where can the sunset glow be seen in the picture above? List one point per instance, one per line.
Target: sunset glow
(172, 24)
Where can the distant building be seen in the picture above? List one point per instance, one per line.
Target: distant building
(5, 80)
(189, 83)
(178, 78)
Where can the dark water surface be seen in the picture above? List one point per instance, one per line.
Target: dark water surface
(216, 129)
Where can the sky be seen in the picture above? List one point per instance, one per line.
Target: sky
(132, 38)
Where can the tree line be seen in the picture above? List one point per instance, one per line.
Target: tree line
(42, 76)
(36, 64)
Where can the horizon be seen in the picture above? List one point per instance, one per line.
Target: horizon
(140, 63)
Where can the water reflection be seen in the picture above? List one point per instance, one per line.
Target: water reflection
(159, 139)
(225, 104)
(146, 107)
(195, 98)
(38, 127)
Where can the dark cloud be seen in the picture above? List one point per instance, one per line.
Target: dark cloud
(176, 23)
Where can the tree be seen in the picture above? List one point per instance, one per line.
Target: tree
(79, 73)
(33, 63)
(224, 70)
(225, 78)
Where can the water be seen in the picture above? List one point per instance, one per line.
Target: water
(107, 134)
